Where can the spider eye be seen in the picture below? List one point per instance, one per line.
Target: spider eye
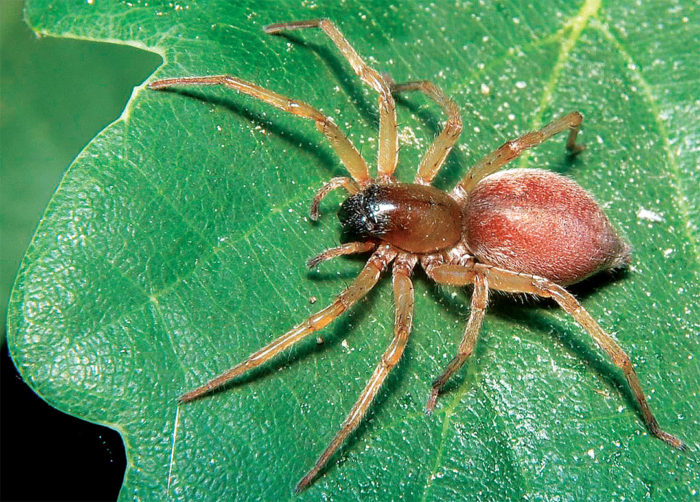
(354, 218)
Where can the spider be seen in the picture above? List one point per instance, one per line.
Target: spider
(519, 231)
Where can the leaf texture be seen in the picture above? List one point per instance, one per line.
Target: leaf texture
(176, 242)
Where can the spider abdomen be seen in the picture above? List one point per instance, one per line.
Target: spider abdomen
(541, 223)
(414, 218)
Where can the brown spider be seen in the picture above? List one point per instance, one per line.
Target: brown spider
(519, 231)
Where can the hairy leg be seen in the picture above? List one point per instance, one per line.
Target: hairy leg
(403, 300)
(351, 158)
(515, 282)
(437, 153)
(511, 149)
(333, 184)
(466, 347)
(344, 249)
(388, 138)
(364, 282)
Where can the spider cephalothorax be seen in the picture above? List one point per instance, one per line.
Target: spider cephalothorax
(414, 218)
(520, 231)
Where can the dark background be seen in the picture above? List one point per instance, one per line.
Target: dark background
(55, 95)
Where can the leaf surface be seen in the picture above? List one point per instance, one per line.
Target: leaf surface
(175, 246)
(89, 85)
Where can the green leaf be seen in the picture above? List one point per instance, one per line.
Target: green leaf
(176, 243)
(55, 94)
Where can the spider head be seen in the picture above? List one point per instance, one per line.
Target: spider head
(361, 217)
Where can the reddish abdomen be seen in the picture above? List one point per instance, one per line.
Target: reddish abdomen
(541, 223)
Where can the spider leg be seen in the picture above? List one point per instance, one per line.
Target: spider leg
(452, 274)
(466, 347)
(511, 149)
(362, 284)
(333, 184)
(506, 280)
(403, 300)
(388, 138)
(351, 158)
(437, 153)
(345, 249)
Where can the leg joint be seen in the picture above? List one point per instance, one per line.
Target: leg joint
(479, 303)
(465, 354)
(453, 127)
(576, 119)
(404, 267)
(511, 149)
(624, 362)
(323, 123)
(392, 359)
